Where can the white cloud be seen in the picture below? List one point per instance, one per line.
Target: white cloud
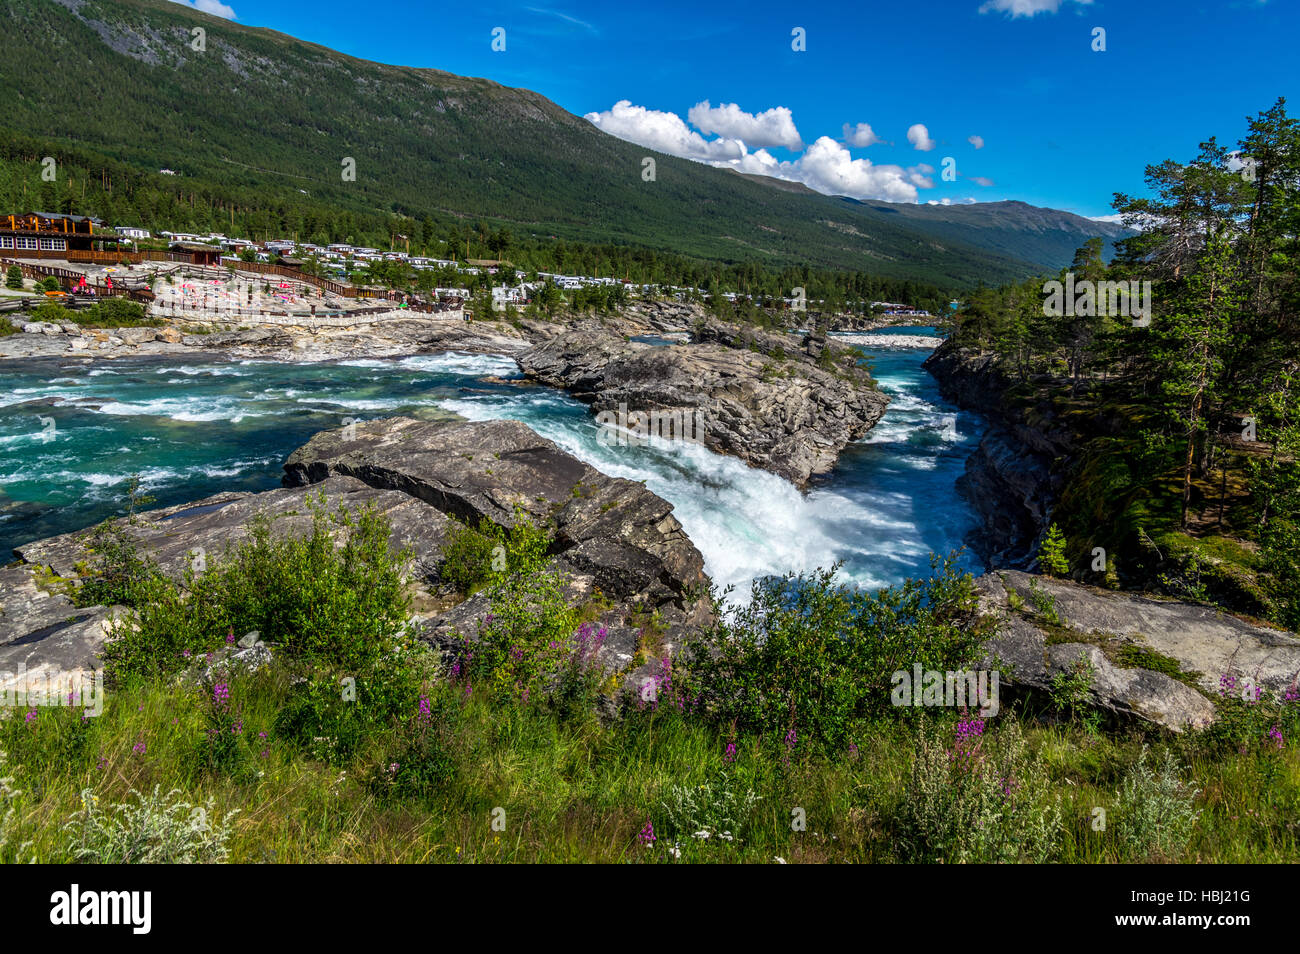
(976, 141)
(772, 127)
(919, 137)
(214, 7)
(860, 135)
(1026, 8)
(1114, 219)
(981, 181)
(826, 166)
(663, 131)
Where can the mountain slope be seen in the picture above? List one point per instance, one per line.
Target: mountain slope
(270, 120)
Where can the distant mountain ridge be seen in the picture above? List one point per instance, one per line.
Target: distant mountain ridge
(271, 119)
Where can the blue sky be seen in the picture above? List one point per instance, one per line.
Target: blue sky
(1061, 125)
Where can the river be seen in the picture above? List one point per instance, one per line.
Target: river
(72, 432)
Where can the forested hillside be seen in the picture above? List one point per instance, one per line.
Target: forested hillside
(257, 127)
(1187, 428)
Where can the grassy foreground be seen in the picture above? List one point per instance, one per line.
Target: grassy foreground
(354, 743)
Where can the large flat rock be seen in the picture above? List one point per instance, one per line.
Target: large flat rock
(174, 536)
(616, 531)
(1204, 642)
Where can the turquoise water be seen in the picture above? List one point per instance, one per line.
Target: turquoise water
(195, 428)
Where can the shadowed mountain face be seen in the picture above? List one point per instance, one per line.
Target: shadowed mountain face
(265, 120)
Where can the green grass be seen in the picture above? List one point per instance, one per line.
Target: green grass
(581, 792)
(509, 751)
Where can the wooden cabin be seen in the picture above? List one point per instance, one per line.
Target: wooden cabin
(46, 234)
(197, 254)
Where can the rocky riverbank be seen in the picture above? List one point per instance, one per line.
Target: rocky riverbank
(616, 544)
(1016, 474)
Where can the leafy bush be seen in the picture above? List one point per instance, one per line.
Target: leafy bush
(337, 606)
(1251, 718)
(1155, 810)
(472, 558)
(527, 642)
(51, 311)
(980, 800)
(158, 829)
(812, 656)
(116, 313)
(119, 575)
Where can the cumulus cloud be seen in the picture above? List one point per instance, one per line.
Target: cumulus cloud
(826, 166)
(1026, 8)
(976, 141)
(663, 131)
(214, 7)
(919, 137)
(860, 135)
(772, 127)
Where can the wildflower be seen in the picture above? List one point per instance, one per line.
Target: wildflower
(31, 715)
(647, 834)
(230, 636)
(221, 694)
(139, 748)
(426, 711)
(729, 756)
(185, 654)
(1276, 735)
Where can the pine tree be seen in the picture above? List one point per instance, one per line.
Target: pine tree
(1052, 555)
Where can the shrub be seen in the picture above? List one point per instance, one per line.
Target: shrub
(14, 278)
(527, 641)
(119, 575)
(980, 800)
(333, 606)
(1155, 810)
(810, 655)
(116, 313)
(157, 829)
(53, 312)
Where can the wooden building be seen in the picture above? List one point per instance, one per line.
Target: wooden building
(46, 234)
(198, 254)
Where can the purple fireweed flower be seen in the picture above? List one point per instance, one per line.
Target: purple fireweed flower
(729, 756)
(1275, 734)
(647, 834)
(230, 636)
(139, 748)
(221, 694)
(426, 711)
(31, 715)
